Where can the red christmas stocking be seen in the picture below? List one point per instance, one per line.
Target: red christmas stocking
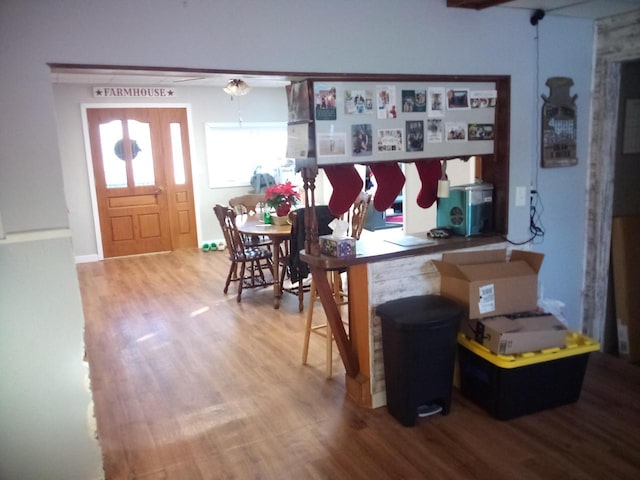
(390, 180)
(430, 172)
(347, 185)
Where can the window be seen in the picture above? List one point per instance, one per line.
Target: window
(235, 151)
(176, 152)
(114, 158)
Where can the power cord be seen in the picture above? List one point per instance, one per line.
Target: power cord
(535, 223)
(536, 229)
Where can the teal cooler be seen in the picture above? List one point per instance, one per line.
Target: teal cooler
(468, 210)
(508, 386)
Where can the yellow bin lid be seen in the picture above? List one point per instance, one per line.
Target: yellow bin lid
(576, 344)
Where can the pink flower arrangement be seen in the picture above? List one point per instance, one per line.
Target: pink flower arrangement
(281, 196)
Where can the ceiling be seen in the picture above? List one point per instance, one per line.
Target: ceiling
(96, 75)
(126, 76)
(593, 9)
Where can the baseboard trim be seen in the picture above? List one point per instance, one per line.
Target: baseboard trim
(87, 258)
(35, 236)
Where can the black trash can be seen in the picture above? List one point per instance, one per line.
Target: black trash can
(419, 344)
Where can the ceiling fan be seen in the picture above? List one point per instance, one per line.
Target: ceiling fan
(474, 4)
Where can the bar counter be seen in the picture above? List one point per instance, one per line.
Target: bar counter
(387, 265)
(373, 248)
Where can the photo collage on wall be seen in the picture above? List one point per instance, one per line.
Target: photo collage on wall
(428, 116)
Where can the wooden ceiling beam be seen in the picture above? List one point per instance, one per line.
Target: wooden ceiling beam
(474, 4)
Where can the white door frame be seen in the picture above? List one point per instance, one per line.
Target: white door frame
(615, 41)
(92, 182)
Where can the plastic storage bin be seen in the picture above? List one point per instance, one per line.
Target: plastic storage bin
(508, 386)
(419, 345)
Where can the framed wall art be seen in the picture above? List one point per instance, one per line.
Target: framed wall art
(559, 118)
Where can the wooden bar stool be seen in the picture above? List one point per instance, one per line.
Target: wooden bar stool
(355, 216)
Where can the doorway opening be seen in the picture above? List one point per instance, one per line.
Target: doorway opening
(143, 189)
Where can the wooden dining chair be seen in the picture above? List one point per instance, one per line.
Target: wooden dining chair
(355, 216)
(248, 263)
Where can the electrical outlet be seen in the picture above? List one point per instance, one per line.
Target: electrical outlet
(521, 196)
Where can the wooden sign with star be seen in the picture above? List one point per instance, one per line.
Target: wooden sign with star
(133, 92)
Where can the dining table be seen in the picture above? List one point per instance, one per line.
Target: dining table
(254, 225)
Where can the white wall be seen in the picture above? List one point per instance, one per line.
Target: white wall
(45, 404)
(565, 51)
(365, 36)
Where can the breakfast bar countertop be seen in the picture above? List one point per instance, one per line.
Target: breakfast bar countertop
(374, 247)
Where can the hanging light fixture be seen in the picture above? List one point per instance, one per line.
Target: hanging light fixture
(236, 87)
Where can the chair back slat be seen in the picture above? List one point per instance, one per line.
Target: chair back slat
(227, 218)
(357, 213)
(247, 203)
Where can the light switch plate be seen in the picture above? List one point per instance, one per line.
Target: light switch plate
(521, 196)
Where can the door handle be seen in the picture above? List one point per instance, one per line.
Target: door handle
(158, 190)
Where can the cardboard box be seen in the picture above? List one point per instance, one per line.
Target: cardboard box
(625, 256)
(337, 247)
(505, 335)
(489, 283)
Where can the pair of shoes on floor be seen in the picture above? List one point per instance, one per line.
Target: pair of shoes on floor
(209, 247)
(288, 285)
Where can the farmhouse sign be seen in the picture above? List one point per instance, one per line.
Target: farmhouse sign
(133, 92)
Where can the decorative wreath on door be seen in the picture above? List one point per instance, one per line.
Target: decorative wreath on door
(118, 149)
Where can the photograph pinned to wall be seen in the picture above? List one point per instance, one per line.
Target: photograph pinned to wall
(332, 144)
(361, 140)
(390, 140)
(480, 131)
(298, 101)
(456, 131)
(358, 102)
(325, 101)
(414, 100)
(298, 140)
(415, 135)
(435, 102)
(483, 98)
(457, 99)
(386, 95)
(435, 132)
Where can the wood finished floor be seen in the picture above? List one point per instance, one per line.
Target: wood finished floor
(188, 384)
